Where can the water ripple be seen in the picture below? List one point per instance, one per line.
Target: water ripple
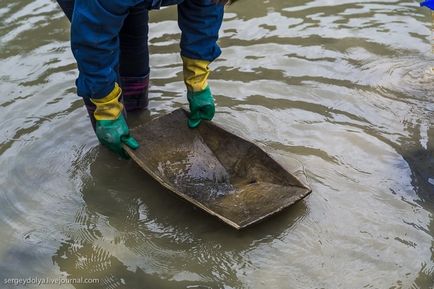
(343, 88)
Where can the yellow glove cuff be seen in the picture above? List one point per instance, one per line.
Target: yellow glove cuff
(109, 107)
(196, 73)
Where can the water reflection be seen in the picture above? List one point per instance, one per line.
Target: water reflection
(345, 88)
(141, 235)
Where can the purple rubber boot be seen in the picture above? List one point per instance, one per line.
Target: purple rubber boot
(90, 107)
(135, 92)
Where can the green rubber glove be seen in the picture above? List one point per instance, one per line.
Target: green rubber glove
(114, 133)
(201, 106)
(110, 125)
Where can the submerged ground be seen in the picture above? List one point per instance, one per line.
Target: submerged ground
(345, 87)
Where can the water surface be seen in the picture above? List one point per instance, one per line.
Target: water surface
(344, 87)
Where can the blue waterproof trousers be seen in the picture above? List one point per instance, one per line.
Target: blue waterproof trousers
(109, 38)
(133, 58)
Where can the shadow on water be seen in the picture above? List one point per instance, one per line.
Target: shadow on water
(421, 163)
(121, 237)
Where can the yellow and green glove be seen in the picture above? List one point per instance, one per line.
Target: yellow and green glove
(111, 128)
(199, 95)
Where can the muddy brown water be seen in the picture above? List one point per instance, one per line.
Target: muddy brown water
(343, 87)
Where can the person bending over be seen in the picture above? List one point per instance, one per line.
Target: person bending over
(109, 40)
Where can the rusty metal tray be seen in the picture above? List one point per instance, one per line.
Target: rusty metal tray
(216, 170)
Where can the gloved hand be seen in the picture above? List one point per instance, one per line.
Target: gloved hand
(199, 95)
(111, 128)
(201, 106)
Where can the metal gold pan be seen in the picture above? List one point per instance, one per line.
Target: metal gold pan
(221, 173)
